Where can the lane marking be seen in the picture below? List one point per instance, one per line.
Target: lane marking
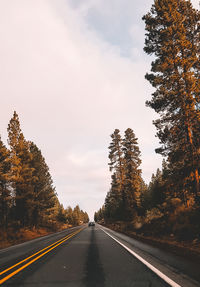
(35, 259)
(6, 270)
(154, 269)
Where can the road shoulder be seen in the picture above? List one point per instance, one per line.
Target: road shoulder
(156, 261)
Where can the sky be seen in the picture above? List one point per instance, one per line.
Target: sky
(74, 72)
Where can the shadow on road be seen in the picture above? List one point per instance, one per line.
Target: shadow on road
(94, 270)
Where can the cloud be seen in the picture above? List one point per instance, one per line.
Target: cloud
(111, 20)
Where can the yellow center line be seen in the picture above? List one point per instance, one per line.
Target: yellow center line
(24, 266)
(4, 271)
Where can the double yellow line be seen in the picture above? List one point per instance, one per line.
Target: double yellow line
(42, 251)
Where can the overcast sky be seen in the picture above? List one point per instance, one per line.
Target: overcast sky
(74, 71)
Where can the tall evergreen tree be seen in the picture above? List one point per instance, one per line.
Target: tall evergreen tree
(173, 33)
(116, 156)
(85, 217)
(44, 196)
(61, 216)
(132, 185)
(113, 201)
(156, 189)
(77, 214)
(116, 195)
(5, 191)
(21, 172)
(69, 215)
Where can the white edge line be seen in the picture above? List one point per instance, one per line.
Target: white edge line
(154, 269)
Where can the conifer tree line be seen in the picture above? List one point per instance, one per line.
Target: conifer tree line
(27, 195)
(123, 200)
(172, 37)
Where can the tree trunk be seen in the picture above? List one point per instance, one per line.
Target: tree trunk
(196, 172)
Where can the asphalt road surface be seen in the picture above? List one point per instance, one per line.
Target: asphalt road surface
(93, 256)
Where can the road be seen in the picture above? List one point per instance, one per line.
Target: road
(93, 256)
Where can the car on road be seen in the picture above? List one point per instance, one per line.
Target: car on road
(91, 223)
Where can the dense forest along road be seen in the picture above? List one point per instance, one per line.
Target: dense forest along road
(92, 256)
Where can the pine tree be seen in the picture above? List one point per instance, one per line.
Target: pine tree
(116, 156)
(86, 217)
(5, 191)
(44, 196)
(14, 132)
(96, 216)
(116, 194)
(132, 185)
(100, 214)
(61, 216)
(173, 37)
(77, 215)
(156, 189)
(69, 215)
(113, 201)
(21, 171)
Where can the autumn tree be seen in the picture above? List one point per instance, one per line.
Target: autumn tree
(61, 215)
(113, 200)
(79, 216)
(155, 194)
(21, 172)
(132, 185)
(69, 215)
(5, 190)
(96, 216)
(116, 157)
(44, 195)
(76, 216)
(116, 198)
(122, 200)
(100, 214)
(86, 217)
(173, 38)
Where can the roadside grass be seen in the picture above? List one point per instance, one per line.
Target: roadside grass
(11, 236)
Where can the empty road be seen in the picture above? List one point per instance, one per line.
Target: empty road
(93, 256)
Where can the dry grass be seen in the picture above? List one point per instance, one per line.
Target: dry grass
(11, 237)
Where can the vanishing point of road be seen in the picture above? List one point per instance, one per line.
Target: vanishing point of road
(94, 257)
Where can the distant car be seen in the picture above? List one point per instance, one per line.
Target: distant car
(91, 223)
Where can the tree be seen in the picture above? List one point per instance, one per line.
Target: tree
(156, 189)
(173, 37)
(86, 217)
(113, 201)
(21, 172)
(69, 215)
(5, 191)
(44, 196)
(100, 214)
(96, 216)
(114, 204)
(76, 216)
(116, 157)
(61, 216)
(122, 200)
(132, 185)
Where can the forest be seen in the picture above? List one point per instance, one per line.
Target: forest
(28, 199)
(170, 204)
